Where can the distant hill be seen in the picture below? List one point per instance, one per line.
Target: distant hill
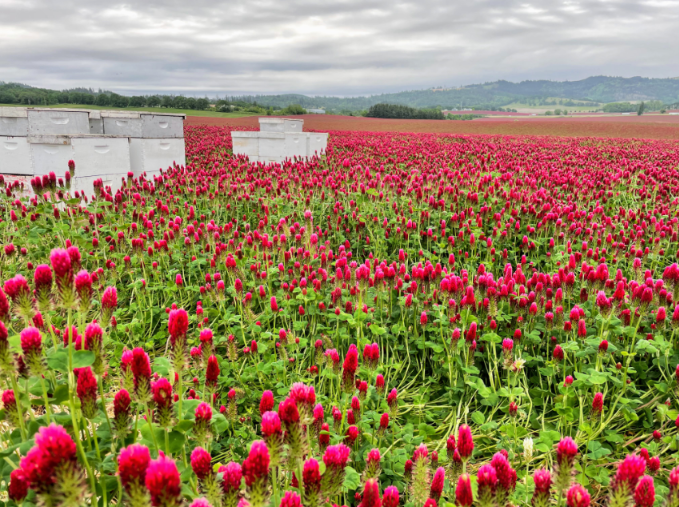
(590, 92)
(598, 89)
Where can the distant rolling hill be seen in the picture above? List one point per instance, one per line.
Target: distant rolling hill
(498, 93)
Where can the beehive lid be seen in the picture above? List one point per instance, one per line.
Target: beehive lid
(13, 112)
(121, 114)
(151, 113)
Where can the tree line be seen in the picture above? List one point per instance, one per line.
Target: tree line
(403, 112)
(12, 93)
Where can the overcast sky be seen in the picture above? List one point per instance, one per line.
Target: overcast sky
(348, 47)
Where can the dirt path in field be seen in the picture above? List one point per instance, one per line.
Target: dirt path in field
(641, 127)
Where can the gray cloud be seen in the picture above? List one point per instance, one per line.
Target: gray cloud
(345, 47)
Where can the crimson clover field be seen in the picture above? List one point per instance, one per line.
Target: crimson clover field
(412, 319)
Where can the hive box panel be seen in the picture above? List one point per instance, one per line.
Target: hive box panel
(93, 156)
(151, 155)
(245, 143)
(280, 125)
(15, 156)
(49, 156)
(162, 126)
(318, 142)
(96, 126)
(45, 122)
(101, 155)
(13, 121)
(296, 145)
(129, 127)
(271, 145)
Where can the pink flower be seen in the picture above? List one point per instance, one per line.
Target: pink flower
(203, 413)
(288, 412)
(463, 491)
(371, 494)
(543, 482)
(178, 324)
(61, 264)
(18, 486)
(232, 474)
(291, 499)
(437, 484)
(577, 496)
(598, 404)
(53, 449)
(271, 424)
(465, 442)
(42, 277)
(201, 463)
(486, 478)
(390, 498)
(266, 403)
(163, 482)
(629, 472)
(256, 465)
(87, 391)
(566, 451)
(132, 465)
(109, 299)
(212, 372)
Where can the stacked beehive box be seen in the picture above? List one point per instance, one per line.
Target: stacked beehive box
(105, 145)
(279, 139)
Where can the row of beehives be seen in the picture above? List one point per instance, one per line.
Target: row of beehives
(23, 122)
(279, 139)
(103, 144)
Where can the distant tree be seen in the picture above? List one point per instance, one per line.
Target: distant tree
(557, 112)
(202, 104)
(642, 106)
(405, 112)
(548, 113)
(166, 101)
(293, 109)
(153, 101)
(137, 101)
(7, 97)
(119, 100)
(102, 100)
(179, 102)
(619, 107)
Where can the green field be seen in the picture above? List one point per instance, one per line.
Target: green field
(188, 112)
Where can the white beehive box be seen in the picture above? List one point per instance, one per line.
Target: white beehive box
(271, 146)
(122, 123)
(159, 126)
(104, 144)
(94, 155)
(13, 121)
(318, 143)
(50, 122)
(246, 143)
(296, 145)
(151, 155)
(15, 156)
(280, 125)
